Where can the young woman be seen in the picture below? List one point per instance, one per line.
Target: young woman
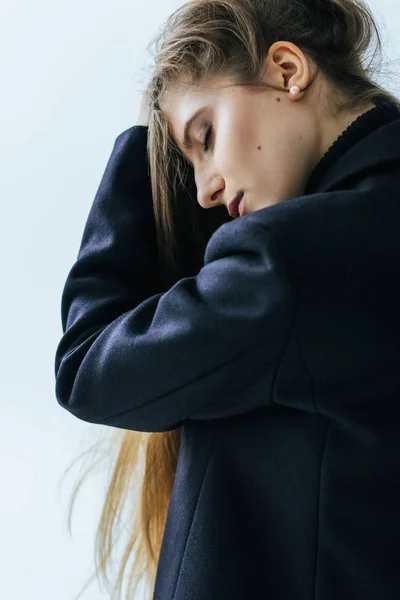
(247, 354)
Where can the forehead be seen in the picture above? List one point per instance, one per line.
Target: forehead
(179, 103)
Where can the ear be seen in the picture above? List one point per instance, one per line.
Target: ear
(286, 65)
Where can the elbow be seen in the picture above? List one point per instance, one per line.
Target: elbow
(73, 389)
(69, 396)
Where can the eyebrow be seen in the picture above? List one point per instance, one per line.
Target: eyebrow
(187, 144)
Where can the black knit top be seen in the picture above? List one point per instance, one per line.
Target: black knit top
(384, 112)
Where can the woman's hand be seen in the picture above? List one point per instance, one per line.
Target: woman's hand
(144, 111)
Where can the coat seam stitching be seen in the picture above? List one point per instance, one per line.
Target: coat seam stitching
(194, 513)
(306, 366)
(319, 511)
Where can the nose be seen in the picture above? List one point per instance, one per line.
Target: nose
(211, 195)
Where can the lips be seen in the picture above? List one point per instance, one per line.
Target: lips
(233, 207)
(241, 208)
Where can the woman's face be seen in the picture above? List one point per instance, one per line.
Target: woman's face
(261, 141)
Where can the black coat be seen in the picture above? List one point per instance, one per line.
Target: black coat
(280, 360)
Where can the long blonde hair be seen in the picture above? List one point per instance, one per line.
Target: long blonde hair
(200, 40)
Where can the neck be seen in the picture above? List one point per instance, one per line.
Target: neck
(330, 128)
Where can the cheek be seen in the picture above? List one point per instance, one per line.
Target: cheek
(255, 142)
(239, 149)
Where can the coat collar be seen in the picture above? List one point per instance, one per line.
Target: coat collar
(371, 140)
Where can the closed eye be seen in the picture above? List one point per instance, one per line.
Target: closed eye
(206, 138)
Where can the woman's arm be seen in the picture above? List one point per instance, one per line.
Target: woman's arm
(207, 348)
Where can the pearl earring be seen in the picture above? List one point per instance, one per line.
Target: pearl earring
(294, 90)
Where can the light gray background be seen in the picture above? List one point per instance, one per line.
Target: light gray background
(70, 79)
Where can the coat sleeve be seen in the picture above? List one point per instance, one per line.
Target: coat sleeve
(207, 348)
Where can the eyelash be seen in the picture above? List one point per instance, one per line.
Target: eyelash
(207, 136)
